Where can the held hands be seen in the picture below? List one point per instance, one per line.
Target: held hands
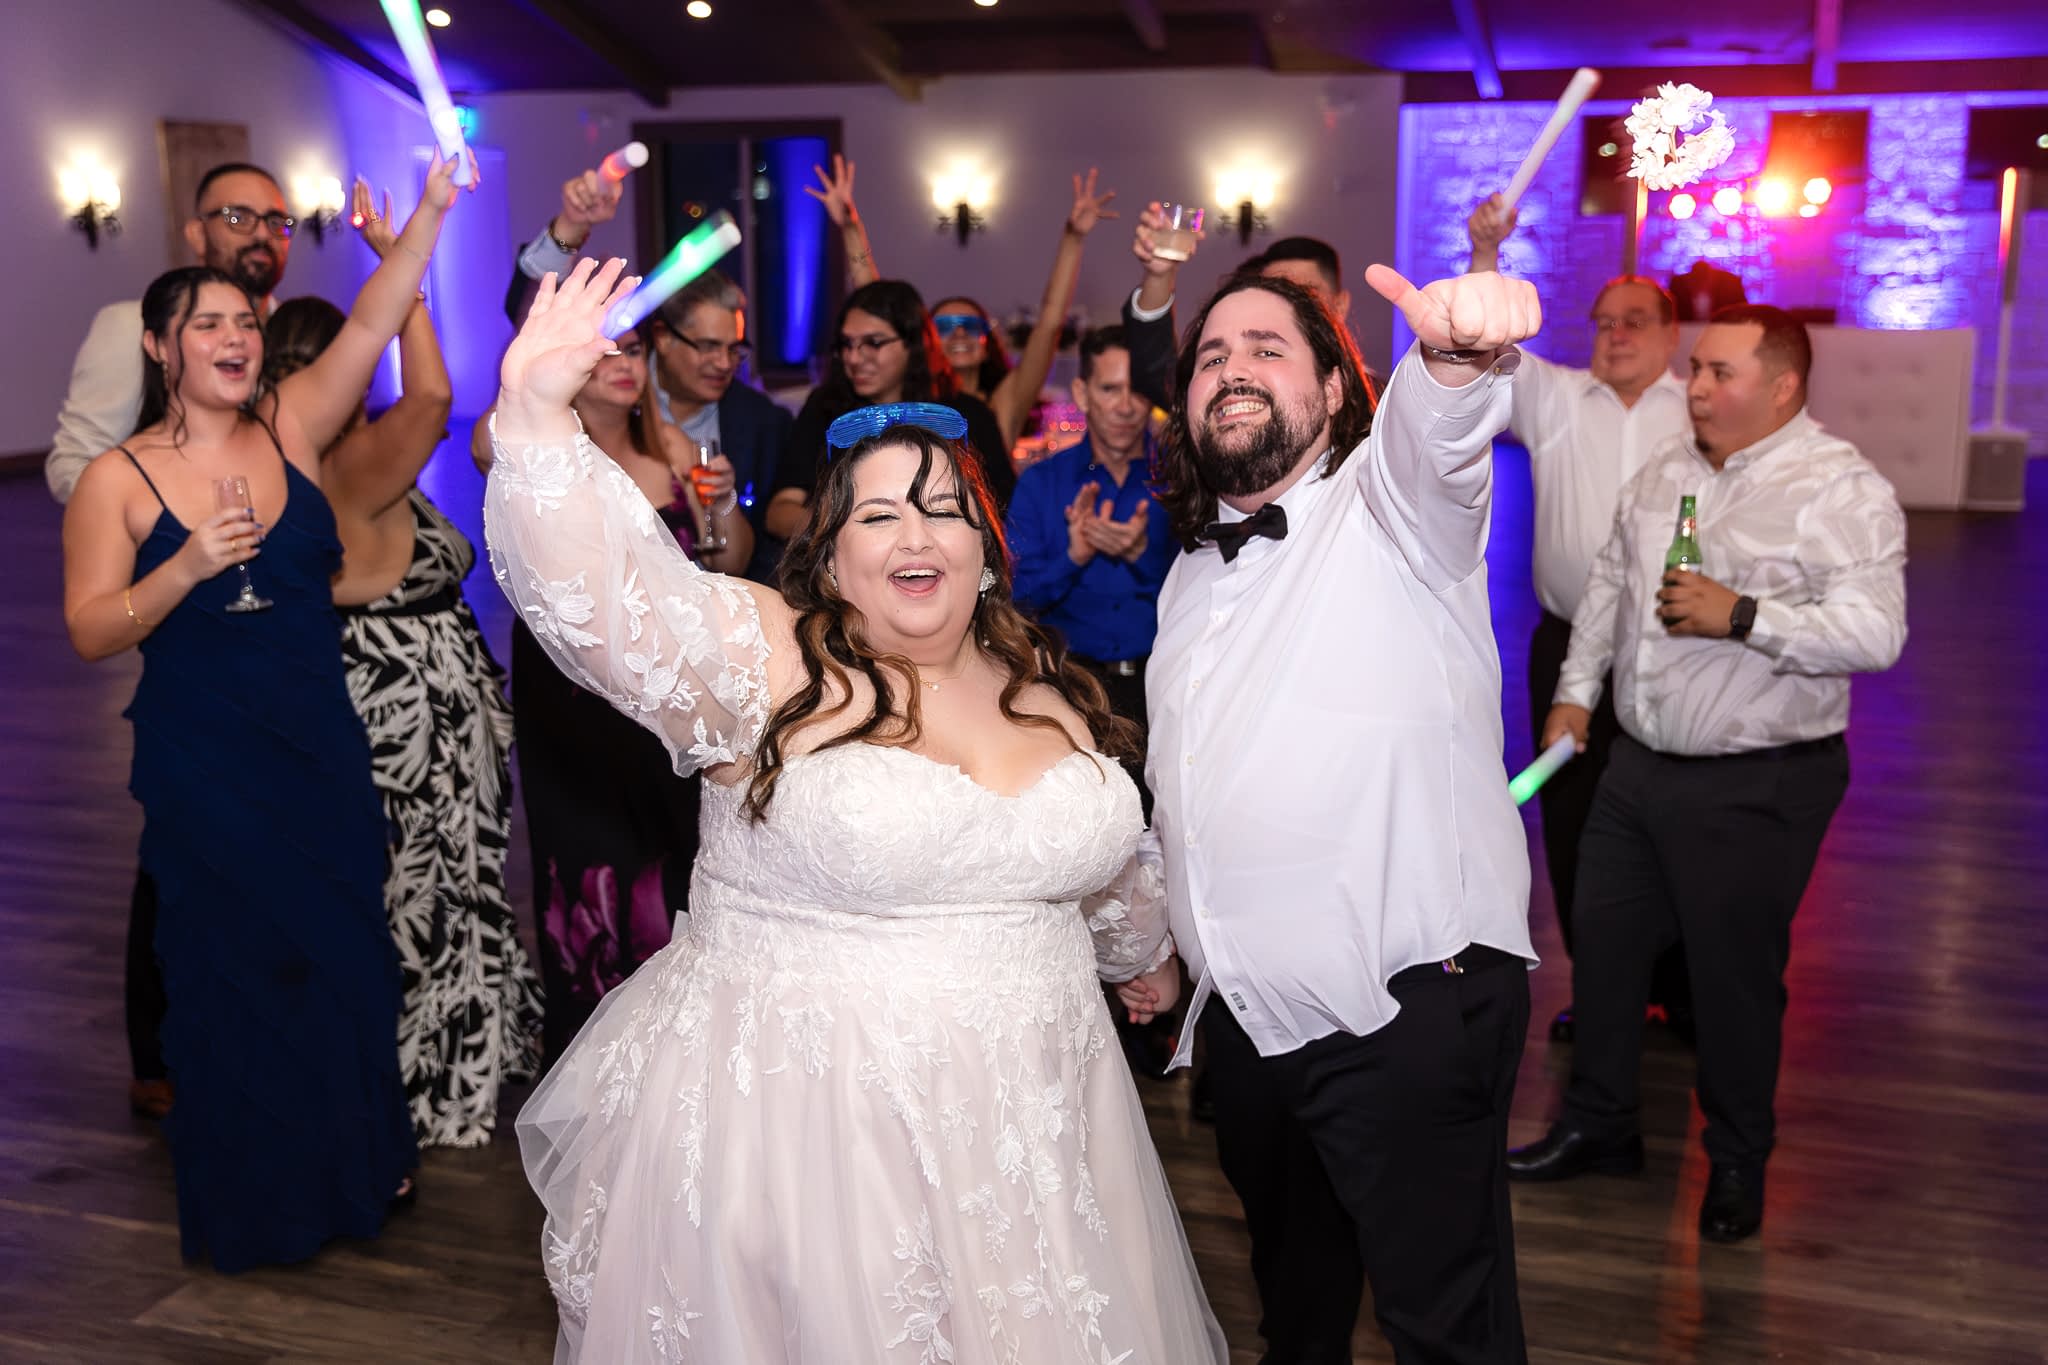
(1691, 603)
(557, 347)
(1153, 994)
(1566, 719)
(1092, 530)
(1089, 207)
(837, 194)
(1481, 312)
(1151, 223)
(222, 541)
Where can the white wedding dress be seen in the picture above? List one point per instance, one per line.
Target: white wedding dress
(868, 1106)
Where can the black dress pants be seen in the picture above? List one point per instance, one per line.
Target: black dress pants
(143, 986)
(1381, 1159)
(1567, 798)
(1717, 852)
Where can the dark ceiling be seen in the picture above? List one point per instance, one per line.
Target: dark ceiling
(1452, 49)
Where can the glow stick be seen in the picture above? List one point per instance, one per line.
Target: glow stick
(688, 259)
(1526, 782)
(622, 163)
(1584, 82)
(411, 32)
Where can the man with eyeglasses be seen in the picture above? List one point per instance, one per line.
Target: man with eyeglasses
(1588, 432)
(700, 344)
(239, 225)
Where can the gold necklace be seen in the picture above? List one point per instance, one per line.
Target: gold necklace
(934, 686)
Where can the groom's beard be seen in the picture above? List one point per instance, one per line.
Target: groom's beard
(1251, 458)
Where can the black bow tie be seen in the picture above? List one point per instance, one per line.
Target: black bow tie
(1269, 521)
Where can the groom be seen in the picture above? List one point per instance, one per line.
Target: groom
(1347, 875)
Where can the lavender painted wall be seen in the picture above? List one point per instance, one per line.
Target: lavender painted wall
(1913, 247)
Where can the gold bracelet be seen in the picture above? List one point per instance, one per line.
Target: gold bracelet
(128, 601)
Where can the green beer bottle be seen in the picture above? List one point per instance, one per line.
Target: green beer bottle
(1685, 546)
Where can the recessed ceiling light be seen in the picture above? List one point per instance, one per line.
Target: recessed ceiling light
(986, 4)
(438, 18)
(698, 9)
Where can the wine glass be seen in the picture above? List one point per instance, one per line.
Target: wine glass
(232, 495)
(702, 477)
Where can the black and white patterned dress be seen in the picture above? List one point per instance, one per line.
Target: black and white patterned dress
(432, 698)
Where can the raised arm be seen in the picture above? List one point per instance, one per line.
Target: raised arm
(375, 465)
(1148, 313)
(1018, 392)
(1428, 471)
(591, 569)
(1486, 229)
(835, 192)
(321, 398)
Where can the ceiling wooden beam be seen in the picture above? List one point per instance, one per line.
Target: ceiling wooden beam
(638, 72)
(306, 24)
(1479, 39)
(875, 48)
(1827, 42)
(1147, 22)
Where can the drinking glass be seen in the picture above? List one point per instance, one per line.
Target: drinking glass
(714, 540)
(233, 495)
(1176, 241)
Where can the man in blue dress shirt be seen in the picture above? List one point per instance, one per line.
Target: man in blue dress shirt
(1089, 538)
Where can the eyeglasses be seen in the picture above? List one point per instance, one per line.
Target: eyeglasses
(710, 349)
(242, 220)
(1632, 323)
(867, 345)
(970, 323)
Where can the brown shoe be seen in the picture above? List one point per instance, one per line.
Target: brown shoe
(149, 1099)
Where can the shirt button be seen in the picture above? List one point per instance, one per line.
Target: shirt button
(1194, 684)
(1190, 840)
(1191, 760)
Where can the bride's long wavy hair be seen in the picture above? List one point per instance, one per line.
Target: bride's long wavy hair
(832, 640)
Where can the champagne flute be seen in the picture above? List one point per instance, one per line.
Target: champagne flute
(232, 495)
(714, 539)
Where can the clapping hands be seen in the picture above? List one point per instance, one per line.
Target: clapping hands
(1093, 529)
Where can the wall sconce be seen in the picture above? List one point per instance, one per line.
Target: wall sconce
(962, 198)
(1246, 195)
(319, 200)
(93, 198)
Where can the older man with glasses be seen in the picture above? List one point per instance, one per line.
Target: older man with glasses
(700, 346)
(1588, 432)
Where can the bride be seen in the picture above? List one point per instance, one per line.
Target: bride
(868, 1105)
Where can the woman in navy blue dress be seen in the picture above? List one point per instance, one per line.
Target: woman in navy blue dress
(260, 824)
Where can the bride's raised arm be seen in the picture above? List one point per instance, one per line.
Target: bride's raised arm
(591, 569)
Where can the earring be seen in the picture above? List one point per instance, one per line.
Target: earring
(988, 578)
(832, 578)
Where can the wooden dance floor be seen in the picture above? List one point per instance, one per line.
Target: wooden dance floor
(1908, 1201)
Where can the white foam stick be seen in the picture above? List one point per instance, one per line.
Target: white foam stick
(1584, 82)
(627, 159)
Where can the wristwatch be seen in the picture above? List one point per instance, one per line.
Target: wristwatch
(1742, 618)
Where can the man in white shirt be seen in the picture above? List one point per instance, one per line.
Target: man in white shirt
(1588, 432)
(1733, 691)
(239, 225)
(1346, 872)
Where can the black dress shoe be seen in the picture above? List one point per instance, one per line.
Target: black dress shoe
(1561, 1027)
(1565, 1152)
(1734, 1205)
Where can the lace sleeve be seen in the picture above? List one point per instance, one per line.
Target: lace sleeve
(619, 607)
(1127, 918)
